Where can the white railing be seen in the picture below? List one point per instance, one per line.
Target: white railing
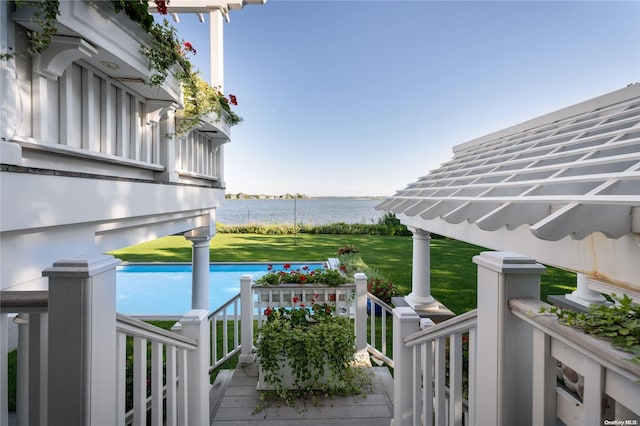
(199, 156)
(223, 320)
(144, 383)
(433, 380)
(377, 344)
(608, 384)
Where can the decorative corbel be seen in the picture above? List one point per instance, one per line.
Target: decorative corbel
(62, 52)
(157, 108)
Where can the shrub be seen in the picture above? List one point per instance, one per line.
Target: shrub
(348, 248)
(382, 288)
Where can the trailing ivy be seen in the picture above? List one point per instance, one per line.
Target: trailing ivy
(618, 322)
(45, 16)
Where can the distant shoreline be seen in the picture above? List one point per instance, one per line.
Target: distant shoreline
(243, 196)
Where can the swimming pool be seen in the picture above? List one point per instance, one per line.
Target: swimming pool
(165, 288)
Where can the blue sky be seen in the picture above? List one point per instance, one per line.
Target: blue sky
(363, 97)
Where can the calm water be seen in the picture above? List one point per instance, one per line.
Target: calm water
(314, 211)
(165, 289)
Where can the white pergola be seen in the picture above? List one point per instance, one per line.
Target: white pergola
(563, 188)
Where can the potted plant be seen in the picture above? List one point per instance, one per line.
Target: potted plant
(307, 349)
(383, 289)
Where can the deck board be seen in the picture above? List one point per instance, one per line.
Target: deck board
(237, 406)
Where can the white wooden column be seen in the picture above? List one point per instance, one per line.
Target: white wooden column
(420, 296)
(216, 34)
(583, 295)
(200, 241)
(82, 337)
(504, 343)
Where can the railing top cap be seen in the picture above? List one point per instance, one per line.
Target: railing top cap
(502, 261)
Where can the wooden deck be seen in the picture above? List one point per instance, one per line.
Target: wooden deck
(234, 399)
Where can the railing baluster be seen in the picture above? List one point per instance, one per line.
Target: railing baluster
(156, 383)
(172, 386)
(183, 385)
(439, 380)
(455, 379)
(415, 376)
(139, 381)
(121, 380)
(427, 382)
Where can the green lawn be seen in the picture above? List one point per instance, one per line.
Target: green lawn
(453, 273)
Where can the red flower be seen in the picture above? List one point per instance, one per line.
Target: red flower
(332, 297)
(287, 266)
(189, 47)
(294, 299)
(268, 311)
(161, 6)
(233, 99)
(343, 268)
(303, 278)
(302, 305)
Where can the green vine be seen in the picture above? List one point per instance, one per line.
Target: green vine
(317, 346)
(618, 322)
(45, 16)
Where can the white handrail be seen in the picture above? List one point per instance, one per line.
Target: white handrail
(168, 352)
(430, 381)
(222, 314)
(379, 351)
(603, 372)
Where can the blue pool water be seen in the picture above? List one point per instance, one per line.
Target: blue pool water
(165, 289)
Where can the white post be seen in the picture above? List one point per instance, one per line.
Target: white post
(247, 354)
(583, 295)
(196, 326)
(82, 335)
(200, 241)
(4, 350)
(405, 322)
(420, 296)
(38, 341)
(504, 343)
(216, 34)
(360, 280)
(22, 385)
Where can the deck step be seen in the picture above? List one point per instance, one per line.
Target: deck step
(240, 400)
(218, 389)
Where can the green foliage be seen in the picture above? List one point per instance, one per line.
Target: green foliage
(382, 288)
(618, 322)
(377, 284)
(391, 222)
(339, 228)
(312, 342)
(45, 16)
(348, 248)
